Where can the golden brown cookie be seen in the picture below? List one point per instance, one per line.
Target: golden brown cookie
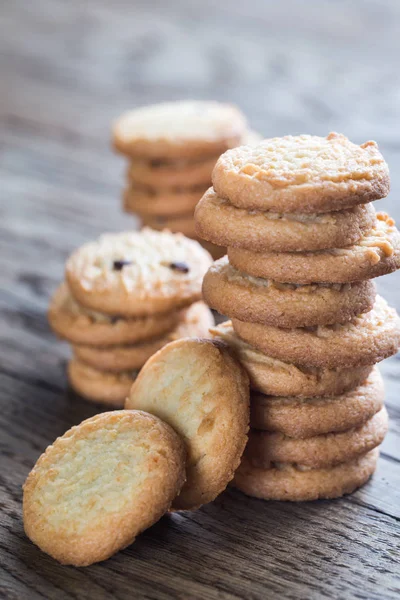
(235, 294)
(101, 484)
(297, 417)
(137, 273)
(203, 393)
(195, 322)
(278, 378)
(80, 325)
(177, 224)
(319, 451)
(295, 483)
(376, 253)
(186, 129)
(219, 221)
(161, 203)
(365, 340)
(302, 173)
(101, 387)
(172, 173)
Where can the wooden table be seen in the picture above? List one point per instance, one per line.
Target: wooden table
(68, 68)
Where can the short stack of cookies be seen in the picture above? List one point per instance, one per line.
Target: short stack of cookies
(172, 149)
(304, 243)
(127, 295)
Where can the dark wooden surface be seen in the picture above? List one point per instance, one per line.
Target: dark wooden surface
(67, 69)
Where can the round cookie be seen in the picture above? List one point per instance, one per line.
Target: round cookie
(196, 321)
(137, 273)
(278, 378)
(302, 173)
(163, 203)
(318, 451)
(101, 484)
(235, 294)
(293, 483)
(167, 174)
(80, 325)
(203, 393)
(219, 221)
(307, 417)
(365, 340)
(180, 223)
(171, 130)
(376, 253)
(101, 387)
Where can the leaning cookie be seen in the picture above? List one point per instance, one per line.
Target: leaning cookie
(195, 322)
(162, 203)
(77, 324)
(137, 273)
(302, 173)
(101, 387)
(320, 451)
(364, 340)
(241, 296)
(296, 483)
(100, 484)
(376, 253)
(278, 378)
(203, 393)
(220, 222)
(298, 417)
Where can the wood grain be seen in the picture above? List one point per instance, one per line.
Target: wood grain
(68, 69)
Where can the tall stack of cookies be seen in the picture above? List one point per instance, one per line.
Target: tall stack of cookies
(172, 149)
(304, 243)
(127, 295)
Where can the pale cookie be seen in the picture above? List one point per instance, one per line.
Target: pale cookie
(80, 325)
(306, 417)
(203, 393)
(376, 253)
(302, 173)
(196, 321)
(187, 129)
(318, 451)
(292, 483)
(137, 273)
(365, 340)
(218, 221)
(101, 387)
(169, 174)
(101, 484)
(177, 224)
(235, 294)
(278, 378)
(162, 203)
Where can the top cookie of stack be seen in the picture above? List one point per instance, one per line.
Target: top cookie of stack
(172, 149)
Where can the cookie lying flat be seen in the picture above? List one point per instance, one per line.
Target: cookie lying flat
(302, 173)
(196, 321)
(179, 223)
(319, 451)
(203, 393)
(219, 221)
(80, 325)
(187, 129)
(161, 203)
(137, 273)
(235, 294)
(288, 482)
(376, 253)
(100, 484)
(278, 378)
(103, 387)
(306, 417)
(365, 340)
(167, 174)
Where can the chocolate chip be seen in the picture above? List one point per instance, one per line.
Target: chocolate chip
(179, 266)
(118, 265)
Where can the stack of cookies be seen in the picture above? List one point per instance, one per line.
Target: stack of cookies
(304, 243)
(172, 149)
(126, 295)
